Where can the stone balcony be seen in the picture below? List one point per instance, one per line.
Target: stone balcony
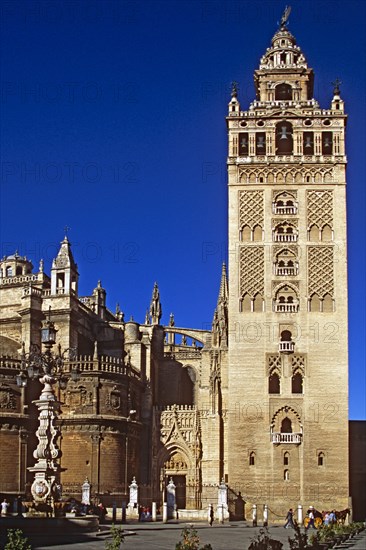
(286, 347)
(286, 308)
(284, 210)
(294, 438)
(285, 237)
(284, 271)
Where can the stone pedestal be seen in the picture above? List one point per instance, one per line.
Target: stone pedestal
(222, 507)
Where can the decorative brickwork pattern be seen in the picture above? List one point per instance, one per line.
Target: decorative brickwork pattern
(282, 175)
(251, 266)
(320, 269)
(251, 208)
(274, 364)
(298, 363)
(320, 208)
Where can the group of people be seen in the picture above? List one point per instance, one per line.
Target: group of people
(289, 520)
(327, 517)
(145, 513)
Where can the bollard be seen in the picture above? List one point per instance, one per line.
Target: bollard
(114, 512)
(254, 515)
(265, 516)
(299, 514)
(153, 511)
(123, 512)
(165, 512)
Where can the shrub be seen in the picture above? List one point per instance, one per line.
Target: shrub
(118, 538)
(264, 542)
(17, 540)
(300, 540)
(190, 541)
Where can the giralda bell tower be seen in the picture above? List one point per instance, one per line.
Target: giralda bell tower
(287, 440)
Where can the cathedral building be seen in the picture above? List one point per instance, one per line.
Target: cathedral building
(258, 404)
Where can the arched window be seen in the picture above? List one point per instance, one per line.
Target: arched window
(286, 459)
(243, 145)
(252, 459)
(314, 233)
(260, 143)
(286, 475)
(314, 303)
(296, 383)
(246, 304)
(286, 426)
(9, 271)
(286, 300)
(327, 143)
(283, 92)
(258, 303)
(245, 233)
(286, 336)
(308, 146)
(320, 459)
(18, 270)
(328, 304)
(327, 233)
(284, 140)
(274, 385)
(257, 233)
(285, 232)
(285, 263)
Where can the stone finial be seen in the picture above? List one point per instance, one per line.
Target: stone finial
(171, 320)
(147, 317)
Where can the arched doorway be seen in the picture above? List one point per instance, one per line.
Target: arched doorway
(175, 468)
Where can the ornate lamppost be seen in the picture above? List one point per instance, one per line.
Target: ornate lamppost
(49, 369)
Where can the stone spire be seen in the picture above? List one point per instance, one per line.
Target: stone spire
(155, 306)
(223, 292)
(220, 320)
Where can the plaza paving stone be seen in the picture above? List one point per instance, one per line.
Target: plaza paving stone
(230, 536)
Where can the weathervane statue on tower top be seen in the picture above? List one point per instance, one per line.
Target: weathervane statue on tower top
(336, 84)
(285, 16)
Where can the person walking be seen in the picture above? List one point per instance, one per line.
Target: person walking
(290, 519)
(311, 517)
(4, 507)
(211, 515)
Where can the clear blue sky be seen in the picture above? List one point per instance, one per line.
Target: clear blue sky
(113, 123)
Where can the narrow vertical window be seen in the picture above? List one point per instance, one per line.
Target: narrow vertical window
(308, 146)
(284, 140)
(260, 143)
(321, 459)
(327, 143)
(243, 145)
(252, 459)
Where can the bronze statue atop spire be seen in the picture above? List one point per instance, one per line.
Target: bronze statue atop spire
(285, 16)
(336, 84)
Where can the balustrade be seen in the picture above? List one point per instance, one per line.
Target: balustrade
(286, 270)
(286, 347)
(286, 308)
(294, 438)
(285, 237)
